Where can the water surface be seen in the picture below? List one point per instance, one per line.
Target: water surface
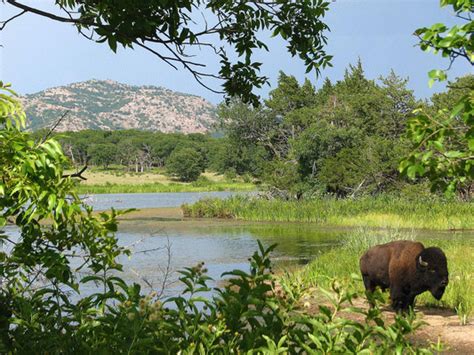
(161, 246)
(151, 200)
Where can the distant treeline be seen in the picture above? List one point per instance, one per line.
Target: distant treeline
(140, 151)
(346, 138)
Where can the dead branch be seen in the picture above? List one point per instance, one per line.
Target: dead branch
(54, 126)
(77, 174)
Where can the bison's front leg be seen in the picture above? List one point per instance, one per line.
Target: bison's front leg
(400, 299)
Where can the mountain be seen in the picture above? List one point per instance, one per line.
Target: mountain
(109, 105)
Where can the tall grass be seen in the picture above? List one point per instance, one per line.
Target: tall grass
(343, 261)
(158, 187)
(380, 211)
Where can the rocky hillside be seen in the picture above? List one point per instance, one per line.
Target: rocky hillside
(109, 105)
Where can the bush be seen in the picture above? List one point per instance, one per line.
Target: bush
(185, 163)
(230, 174)
(202, 181)
(247, 178)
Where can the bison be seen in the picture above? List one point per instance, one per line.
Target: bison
(407, 268)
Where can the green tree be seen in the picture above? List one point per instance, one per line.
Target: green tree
(185, 163)
(456, 91)
(241, 159)
(348, 141)
(172, 30)
(304, 132)
(103, 154)
(443, 138)
(398, 104)
(289, 95)
(248, 125)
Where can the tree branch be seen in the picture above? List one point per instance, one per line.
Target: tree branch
(55, 125)
(78, 174)
(27, 8)
(4, 23)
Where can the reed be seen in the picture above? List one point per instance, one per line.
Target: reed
(381, 211)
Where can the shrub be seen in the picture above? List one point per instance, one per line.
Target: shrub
(230, 174)
(202, 181)
(250, 315)
(185, 163)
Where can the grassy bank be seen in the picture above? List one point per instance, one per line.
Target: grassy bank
(99, 182)
(382, 211)
(459, 295)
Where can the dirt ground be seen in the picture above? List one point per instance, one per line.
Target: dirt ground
(444, 325)
(441, 325)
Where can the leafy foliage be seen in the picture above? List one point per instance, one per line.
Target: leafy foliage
(444, 143)
(444, 139)
(455, 42)
(135, 150)
(102, 154)
(37, 271)
(251, 314)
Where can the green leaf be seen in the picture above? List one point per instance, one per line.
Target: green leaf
(112, 43)
(414, 170)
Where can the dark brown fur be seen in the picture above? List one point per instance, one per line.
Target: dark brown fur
(396, 265)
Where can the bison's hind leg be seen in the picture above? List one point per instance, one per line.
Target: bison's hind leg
(369, 285)
(369, 289)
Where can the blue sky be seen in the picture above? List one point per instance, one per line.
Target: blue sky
(38, 53)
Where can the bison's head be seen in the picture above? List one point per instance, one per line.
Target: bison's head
(433, 269)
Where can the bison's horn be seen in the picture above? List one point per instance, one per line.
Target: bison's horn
(422, 263)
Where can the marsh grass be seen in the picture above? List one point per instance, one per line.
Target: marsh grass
(382, 211)
(343, 261)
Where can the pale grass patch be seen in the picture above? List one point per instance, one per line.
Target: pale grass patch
(126, 178)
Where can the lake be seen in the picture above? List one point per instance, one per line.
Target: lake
(222, 244)
(161, 244)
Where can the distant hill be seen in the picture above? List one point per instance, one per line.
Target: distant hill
(109, 105)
